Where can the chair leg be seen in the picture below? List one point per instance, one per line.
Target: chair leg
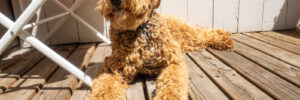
(61, 21)
(49, 53)
(17, 27)
(98, 34)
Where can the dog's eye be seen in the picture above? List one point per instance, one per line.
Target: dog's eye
(116, 3)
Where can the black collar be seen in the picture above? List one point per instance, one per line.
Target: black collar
(143, 29)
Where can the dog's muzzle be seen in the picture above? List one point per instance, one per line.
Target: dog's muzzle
(116, 3)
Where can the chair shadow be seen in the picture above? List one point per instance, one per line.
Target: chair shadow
(284, 15)
(50, 78)
(11, 58)
(291, 33)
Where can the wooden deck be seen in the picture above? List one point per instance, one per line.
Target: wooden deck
(263, 66)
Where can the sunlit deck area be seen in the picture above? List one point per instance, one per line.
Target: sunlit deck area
(263, 66)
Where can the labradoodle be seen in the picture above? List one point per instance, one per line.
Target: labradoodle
(144, 42)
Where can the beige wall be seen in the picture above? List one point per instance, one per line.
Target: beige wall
(70, 32)
(237, 15)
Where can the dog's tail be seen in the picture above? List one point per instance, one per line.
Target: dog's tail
(191, 38)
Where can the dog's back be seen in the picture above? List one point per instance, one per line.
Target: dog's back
(192, 38)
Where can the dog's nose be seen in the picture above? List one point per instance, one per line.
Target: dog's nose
(116, 3)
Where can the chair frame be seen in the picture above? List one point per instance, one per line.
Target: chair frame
(18, 29)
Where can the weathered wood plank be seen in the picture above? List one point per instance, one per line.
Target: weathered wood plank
(293, 33)
(281, 44)
(13, 58)
(267, 81)
(26, 86)
(283, 37)
(226, 13)
(62, 84)
(68, 32)
(274, 15)
(14, 72)
(274, 65)
(200, 12)
(205, 88)
(277, 52)
(136, 90)
(228, 79)
(82, 92)
(250, 15)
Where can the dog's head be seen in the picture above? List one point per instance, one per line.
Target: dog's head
(127, 14)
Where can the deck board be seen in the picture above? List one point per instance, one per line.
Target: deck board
(14, 72)
(292, 33)
(62, 84)
(13, 58)
(274, 65)
(82, 92)
(201, 87)
(277, 52)
(281, 44)
(263, 66)
(283, 37)
(270, 83)
(35, 78)
(228, 79)
(136, 90)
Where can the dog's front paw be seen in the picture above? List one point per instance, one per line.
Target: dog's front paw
(108, 87)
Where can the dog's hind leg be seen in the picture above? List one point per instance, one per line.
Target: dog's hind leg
(191, 37)
(172, 83)
(108, 87)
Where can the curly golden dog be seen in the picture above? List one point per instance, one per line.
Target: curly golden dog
(144, 42)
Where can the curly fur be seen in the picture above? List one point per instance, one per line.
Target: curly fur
(132, 54)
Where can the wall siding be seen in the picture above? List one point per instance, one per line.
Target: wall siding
(226, 13)
(274, 15)
(177, 8)
(200, 12)
(293, 14)
(68, 33)
(235, 16)
(250, 15)
(93, 18)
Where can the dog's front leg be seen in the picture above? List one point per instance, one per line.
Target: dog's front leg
(108, 87)
(172, 83)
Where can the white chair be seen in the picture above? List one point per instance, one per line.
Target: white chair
(17, 29)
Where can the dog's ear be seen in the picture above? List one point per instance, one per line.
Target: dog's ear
(155, 3)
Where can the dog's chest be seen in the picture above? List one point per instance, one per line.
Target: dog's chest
(143, 52)
(151, 56)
